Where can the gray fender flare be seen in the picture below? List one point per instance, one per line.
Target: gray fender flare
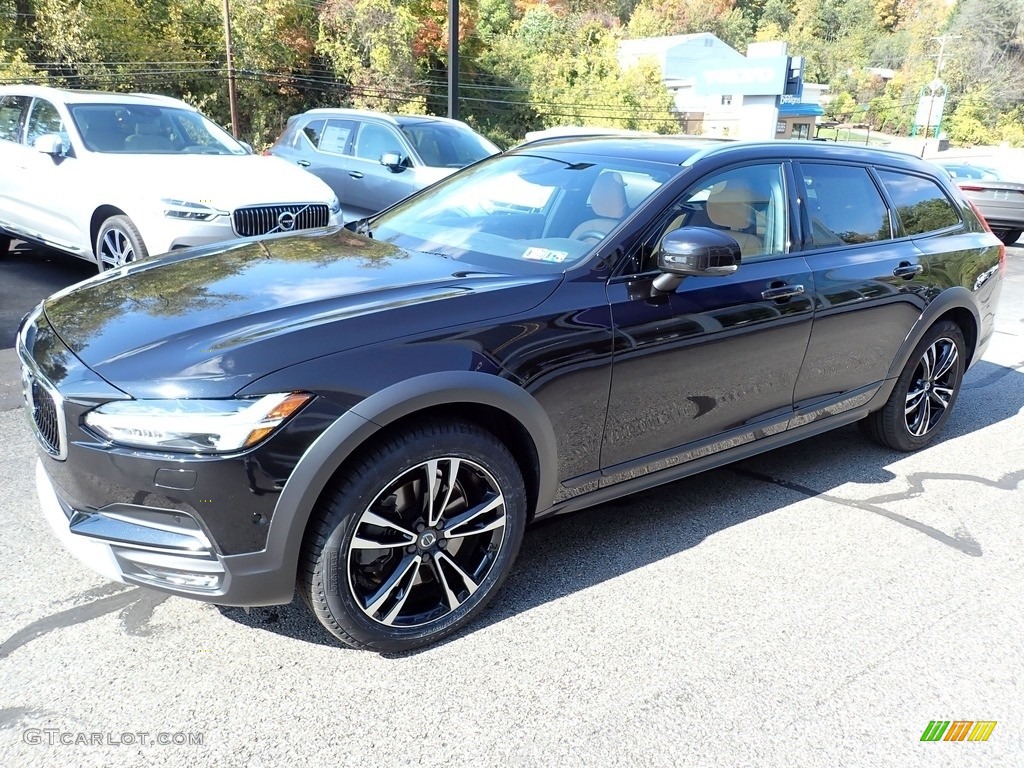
(344, 436)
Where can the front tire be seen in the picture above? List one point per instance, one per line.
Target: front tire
(925, 392)
(118, 242)
(415, 538)
(5, 245)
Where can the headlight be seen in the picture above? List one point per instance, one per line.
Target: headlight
(183, 209)
(335, 205)
(196, 426)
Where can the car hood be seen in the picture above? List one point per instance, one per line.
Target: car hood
(206, 322)
(225, 182)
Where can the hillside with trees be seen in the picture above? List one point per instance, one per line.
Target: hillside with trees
(524, 64)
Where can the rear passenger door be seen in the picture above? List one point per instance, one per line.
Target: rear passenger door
(870, 287)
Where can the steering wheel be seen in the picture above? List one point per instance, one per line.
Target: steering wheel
(591, 234)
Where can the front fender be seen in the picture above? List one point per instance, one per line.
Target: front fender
(339, 441)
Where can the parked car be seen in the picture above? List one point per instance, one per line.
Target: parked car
(1000, 200)
(372, 160)
(114, 177)
(376, 412)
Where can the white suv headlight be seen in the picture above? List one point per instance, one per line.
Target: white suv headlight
(183, 209)
(195, 426)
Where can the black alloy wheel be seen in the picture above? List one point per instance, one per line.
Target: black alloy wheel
(416, 538)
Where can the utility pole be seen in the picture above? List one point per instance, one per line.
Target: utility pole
(453, 59)
(232, 97)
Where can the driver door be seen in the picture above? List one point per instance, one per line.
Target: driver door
(714, 362)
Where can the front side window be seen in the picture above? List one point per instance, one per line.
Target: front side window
(45, 119)
(844, 206)
(747, 203)
(12, 115)
(920, 203)
(374, 141)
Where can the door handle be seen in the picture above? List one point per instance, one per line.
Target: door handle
(906, 270)
(781, 292)
(355, 174)
(303, 163)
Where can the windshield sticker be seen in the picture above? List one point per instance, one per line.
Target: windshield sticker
(544, 254)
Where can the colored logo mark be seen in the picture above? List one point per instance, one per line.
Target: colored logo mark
(958, 730)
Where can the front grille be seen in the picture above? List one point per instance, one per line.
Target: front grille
(46, 418)
(267, 219)
(45, 410)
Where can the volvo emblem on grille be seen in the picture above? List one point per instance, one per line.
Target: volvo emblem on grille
(286, 221)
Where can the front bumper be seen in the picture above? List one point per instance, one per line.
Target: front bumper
(161, 549)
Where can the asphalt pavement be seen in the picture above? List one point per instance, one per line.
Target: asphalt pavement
(818, 605)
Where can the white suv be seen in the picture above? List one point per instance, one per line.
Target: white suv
(114, 177)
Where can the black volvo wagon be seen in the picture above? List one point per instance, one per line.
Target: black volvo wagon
(375, 413)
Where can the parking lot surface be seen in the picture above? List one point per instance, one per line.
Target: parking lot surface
(817, 605)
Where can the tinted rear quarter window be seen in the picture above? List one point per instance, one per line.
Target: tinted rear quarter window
(844, 205)
(12, 111)
(920, 203)
(312, 130)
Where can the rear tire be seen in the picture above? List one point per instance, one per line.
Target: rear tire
(5, 245)
(925, 392)
(415, 537)
(1010, 236)
(118, 243)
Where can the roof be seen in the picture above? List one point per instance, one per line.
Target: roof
(394, 119)
(73, 96)
(687, 150)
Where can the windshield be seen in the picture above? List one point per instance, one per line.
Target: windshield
(523, 212)
(444, 145)
(149, 129)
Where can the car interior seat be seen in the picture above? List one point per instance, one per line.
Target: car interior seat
(608, 201)
(730, 208)
(148, 137)
(101, 131)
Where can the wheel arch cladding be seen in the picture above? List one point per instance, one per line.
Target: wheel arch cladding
(497, 405)
(953, 304)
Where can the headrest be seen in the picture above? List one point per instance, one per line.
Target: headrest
(729, 204)
(608, 196)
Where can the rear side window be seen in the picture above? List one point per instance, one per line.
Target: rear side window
(336, 136)
(920, 203)
(844, 205)
(12, 113)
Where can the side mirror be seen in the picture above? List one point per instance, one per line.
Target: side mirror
(248, 147)
(49, 144)
(695, 252)
(393, 161)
